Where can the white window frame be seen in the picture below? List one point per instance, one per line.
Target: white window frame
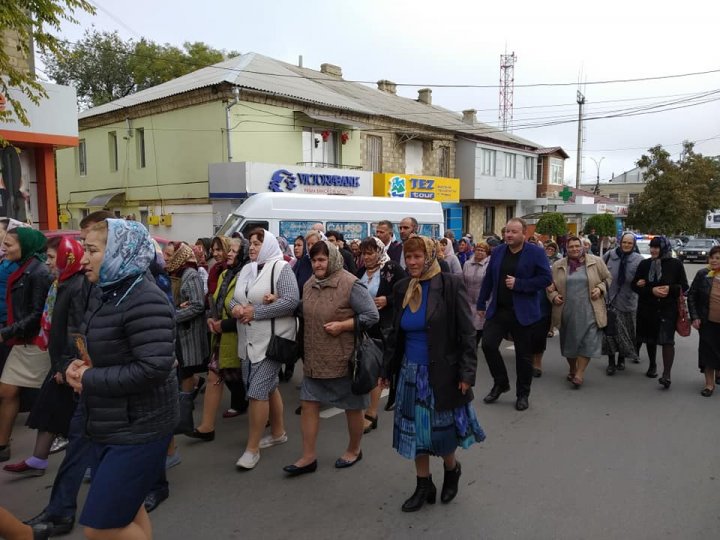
(510, 165)
(556, 172)
(489, 161)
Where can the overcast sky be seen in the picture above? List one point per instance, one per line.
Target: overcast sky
(428, 42)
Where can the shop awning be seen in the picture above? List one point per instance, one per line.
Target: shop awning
(105, 199)
(335, 120)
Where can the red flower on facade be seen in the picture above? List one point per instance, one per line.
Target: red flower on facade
(345, 137)
(325, 135)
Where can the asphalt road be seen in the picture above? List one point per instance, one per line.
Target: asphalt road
(620, 458)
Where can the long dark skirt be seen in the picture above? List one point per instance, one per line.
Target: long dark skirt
(53, 407)
(709, 348)
(622, 344)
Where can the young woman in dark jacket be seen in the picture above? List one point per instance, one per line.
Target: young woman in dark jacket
(659, 282)
(62, 316)
(27, 288)
(126, 377)
(379, 274)
(431, 358)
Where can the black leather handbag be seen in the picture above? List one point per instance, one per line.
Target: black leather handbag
(280, 349)
(365, 362)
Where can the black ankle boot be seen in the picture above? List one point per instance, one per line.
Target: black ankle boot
(450, 484)
(424, 492)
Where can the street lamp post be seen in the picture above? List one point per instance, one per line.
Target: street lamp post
(597, 181)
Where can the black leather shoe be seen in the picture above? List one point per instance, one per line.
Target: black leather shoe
(664, 382)
(621, 364)
(207, 437)
(41, 531)
(522, 403)
(425, 492)
(344, 463)
(450, 484)
(57, 525)
(651, 372)
(154, 498)
(495, 393)
(294, 470)
(610, 370)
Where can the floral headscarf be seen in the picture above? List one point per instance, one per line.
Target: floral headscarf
(383, 257)
(335, 262)
(128, 252)
(575, 263)
(68, 262)
(199, 252)
(431, 268)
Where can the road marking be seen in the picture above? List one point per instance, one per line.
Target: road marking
(334, 411)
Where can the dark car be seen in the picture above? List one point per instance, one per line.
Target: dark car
(697, 250)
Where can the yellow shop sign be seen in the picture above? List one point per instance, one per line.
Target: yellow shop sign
(434, 188)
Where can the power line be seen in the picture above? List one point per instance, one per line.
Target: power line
(408, 84)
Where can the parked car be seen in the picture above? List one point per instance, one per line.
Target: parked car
(697, 250)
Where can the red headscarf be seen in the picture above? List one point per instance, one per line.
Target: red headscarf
(69, 254)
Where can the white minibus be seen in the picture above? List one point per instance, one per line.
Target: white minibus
(291, 215)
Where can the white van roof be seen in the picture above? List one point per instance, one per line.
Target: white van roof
(297, 206)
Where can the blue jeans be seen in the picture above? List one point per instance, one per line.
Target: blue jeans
(63, 498)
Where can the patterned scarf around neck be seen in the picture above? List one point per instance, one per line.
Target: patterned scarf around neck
(413, 295)
(655, 274)
(383, 257)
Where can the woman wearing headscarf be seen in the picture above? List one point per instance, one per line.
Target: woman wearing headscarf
(202, 266)
(622, 262)
(286, 251)
(224, 362)
(431, 360)
(450, 258)
(473, 275)
(659, 281)
(380, 275)
(704, 307)
(333, 302)
(27, 288)
(219, 247)
(126, 379)
(62, 316)
(192, 340)
(303, 269)
(264, 302)
(465, 250)
(580, 284)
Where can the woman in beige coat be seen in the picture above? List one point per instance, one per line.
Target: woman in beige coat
(580, 283)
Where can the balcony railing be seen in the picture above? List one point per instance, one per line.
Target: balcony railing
(323, 165)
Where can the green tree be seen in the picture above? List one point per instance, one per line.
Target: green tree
(604, 225)
(678, 194)
(104, 67)
(32, 22)
(551, 224)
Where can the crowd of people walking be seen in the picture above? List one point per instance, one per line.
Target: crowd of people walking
(113, 337)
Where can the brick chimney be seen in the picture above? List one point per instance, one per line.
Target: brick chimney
(387, 86)
(331, 69)
(425, 96)
(469, 116)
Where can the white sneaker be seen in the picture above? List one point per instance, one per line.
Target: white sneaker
(268, 440)
(248, 460)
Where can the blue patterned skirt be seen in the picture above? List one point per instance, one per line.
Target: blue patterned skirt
(419, 429)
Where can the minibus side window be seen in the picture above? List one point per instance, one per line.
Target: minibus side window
(292, 229)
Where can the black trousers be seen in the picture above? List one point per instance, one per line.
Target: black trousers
(494, 331)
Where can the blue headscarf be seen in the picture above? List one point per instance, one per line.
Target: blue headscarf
(128, 252)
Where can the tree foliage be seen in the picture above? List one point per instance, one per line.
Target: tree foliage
(31, 22)
(678, 194)
(604, 225)
(551, 224)
(104, 67)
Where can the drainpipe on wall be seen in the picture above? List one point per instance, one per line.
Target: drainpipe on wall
(236, 93)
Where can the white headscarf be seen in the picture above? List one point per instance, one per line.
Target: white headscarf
(269, 252)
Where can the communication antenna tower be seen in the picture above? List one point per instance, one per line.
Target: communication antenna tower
(507, 89)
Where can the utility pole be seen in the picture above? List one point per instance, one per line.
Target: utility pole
(578, 168)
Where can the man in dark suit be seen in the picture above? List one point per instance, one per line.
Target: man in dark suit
(509, 300)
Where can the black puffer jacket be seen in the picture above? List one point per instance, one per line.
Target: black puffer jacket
(131, 392)
(28, 294)
(67, 317)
